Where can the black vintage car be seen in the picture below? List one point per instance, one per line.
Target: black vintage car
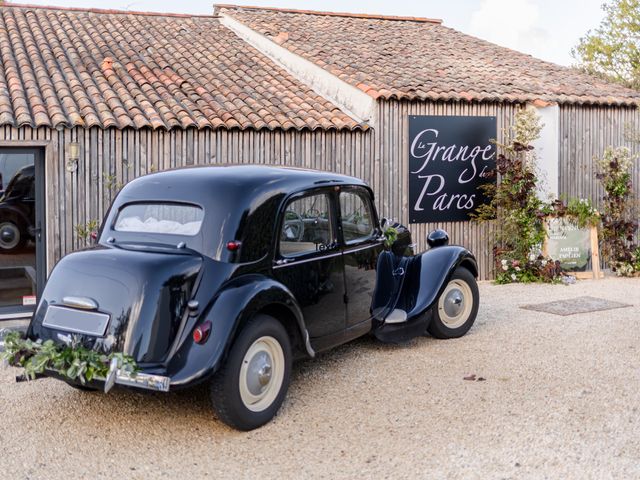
(227, 274)
(17, 211)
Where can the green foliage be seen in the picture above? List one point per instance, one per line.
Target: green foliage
(515, 203)
(524, 132)
(580, 210)
(390, 236)
(84, 230)
(619, 223)
(635, 264)
(73, 362)
(111, 182)
(613, 49)
(535, 269)
(583, 212)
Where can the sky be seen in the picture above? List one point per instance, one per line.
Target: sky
(546, 29)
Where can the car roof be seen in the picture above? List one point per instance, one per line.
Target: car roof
(250, 178)
(241, 202)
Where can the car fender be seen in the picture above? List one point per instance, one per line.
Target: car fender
(236, 303)
(434, 270)
(16, 215)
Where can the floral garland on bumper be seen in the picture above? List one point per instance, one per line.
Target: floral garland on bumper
(74, 362)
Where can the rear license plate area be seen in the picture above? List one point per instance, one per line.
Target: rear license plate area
(76, 321)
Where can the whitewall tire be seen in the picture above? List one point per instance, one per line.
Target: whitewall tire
(457, 306)
(250, 387)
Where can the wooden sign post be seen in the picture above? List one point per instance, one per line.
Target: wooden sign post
(575, 248)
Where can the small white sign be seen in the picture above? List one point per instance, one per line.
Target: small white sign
(29, 300)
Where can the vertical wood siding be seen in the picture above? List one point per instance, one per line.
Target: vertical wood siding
(585, 132)
(110, 158)
(390, 178)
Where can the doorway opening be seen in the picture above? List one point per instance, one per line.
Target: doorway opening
(22, 252)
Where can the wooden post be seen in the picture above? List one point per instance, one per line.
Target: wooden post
(595, 259)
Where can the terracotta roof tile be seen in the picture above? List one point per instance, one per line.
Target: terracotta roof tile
(67, 67)
(332, 14)
(406, 58)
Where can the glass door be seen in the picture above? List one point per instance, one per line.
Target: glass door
(21, 232)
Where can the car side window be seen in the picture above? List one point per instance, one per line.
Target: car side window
(306, 227)
(356, 217)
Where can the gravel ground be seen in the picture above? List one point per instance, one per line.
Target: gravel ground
(561, 400)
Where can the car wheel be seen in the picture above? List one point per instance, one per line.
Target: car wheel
(457, 306)
(249, 389)
(11, 237)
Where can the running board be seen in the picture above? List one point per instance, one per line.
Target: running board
(397, 333)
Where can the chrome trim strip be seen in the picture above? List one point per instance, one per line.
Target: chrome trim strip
(357, 249)
(118, 376)
(293, 261)
(157, 383)
(15, 316)
(84, 303)
(307, 344)
(289, 261)
(110, 381)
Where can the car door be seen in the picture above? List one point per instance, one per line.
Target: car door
(309, 262)
(361, 246)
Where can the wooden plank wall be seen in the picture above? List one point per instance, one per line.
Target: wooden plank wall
(596, 128)
(109, 158)
(391, 177)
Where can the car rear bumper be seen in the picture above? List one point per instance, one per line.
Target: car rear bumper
(116, 376)
(147, 381)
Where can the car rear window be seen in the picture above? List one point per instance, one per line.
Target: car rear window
(169, 218)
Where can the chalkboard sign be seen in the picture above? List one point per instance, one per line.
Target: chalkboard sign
(449, 158)
(575, 248)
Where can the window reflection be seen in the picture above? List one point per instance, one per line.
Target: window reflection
(306, 227)
(357, 221)
(17, 229)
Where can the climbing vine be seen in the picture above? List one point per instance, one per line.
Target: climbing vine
(619, 224)
(515, 202)
(87, 232)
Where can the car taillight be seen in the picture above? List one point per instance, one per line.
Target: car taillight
(201, 332)
(233, 246)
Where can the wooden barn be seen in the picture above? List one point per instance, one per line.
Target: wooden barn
(90, 99)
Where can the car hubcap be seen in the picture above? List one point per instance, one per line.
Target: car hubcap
(261, 374)
(455, 304)
(9, 235)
